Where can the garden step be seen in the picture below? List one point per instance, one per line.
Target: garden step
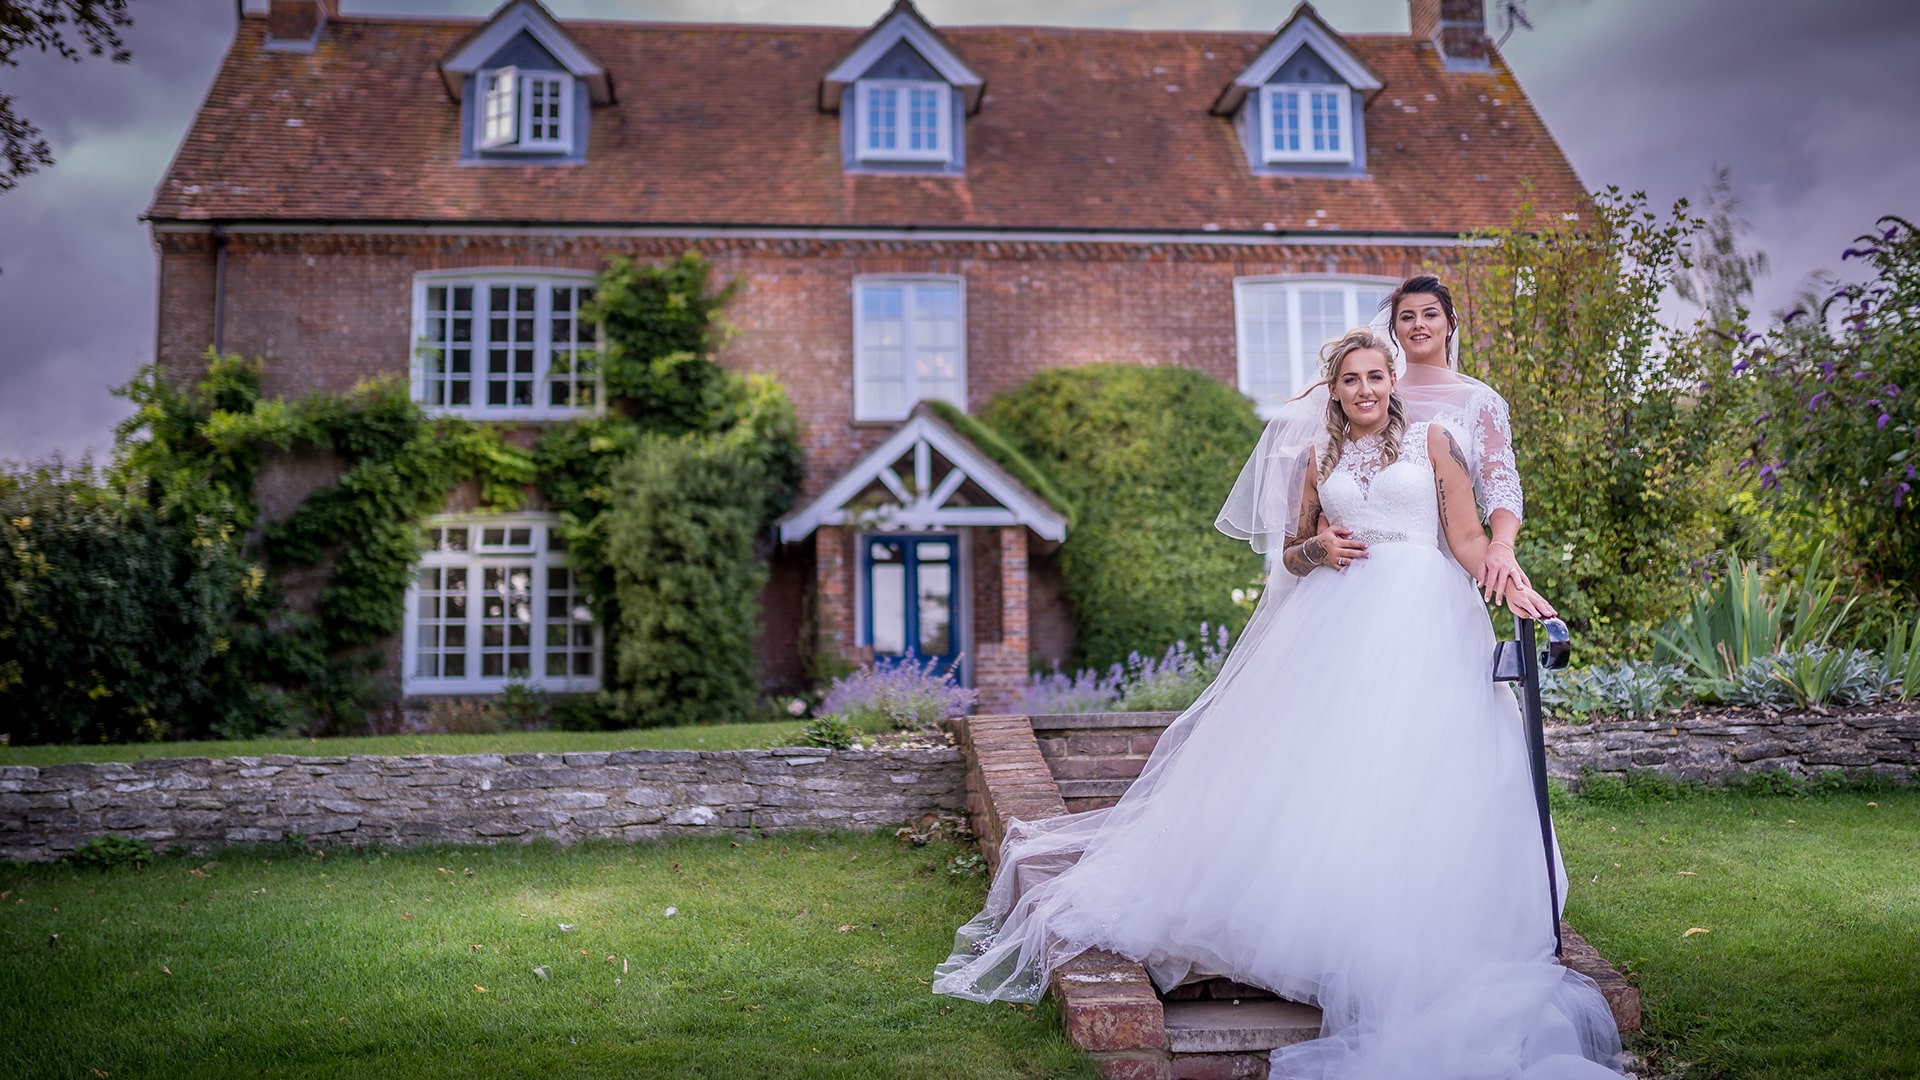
(1093, 789)
(1222, 1027)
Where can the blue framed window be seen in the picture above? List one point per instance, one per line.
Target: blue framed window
(912, 598)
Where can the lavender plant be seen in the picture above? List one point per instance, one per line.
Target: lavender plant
(902, 696)
(1175, 680)
(1084, 691)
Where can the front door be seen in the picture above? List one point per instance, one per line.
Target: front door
(912, 592)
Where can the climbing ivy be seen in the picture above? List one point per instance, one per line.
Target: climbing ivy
(193, 452)
(664, 496)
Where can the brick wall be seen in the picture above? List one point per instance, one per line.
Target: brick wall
(328, 310)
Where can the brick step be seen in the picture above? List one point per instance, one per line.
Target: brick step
(1224, 1027)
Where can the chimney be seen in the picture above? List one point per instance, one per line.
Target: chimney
(1457, 28)
(295, 25)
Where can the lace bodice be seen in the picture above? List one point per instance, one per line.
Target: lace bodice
(1384, 504)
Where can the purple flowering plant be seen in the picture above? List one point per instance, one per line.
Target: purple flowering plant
(1169, 682)
(1840, 431)
(899, 696)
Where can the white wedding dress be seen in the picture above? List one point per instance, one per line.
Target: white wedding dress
(1345, 817)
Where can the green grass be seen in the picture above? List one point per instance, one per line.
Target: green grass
(788, 957)
(1809, 965)
(712, 737)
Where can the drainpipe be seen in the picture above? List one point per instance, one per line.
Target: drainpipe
(219, 290)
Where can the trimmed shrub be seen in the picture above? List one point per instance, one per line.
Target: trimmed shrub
(1145, 455)
(680, 535)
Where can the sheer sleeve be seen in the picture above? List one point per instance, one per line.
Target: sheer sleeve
(1497, 481)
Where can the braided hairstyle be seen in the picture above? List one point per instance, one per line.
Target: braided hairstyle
(1333, 354)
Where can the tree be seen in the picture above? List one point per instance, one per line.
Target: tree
(1722, 272)
(44, 25)
(1620, 422)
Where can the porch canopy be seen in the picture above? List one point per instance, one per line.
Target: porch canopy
(925, 476)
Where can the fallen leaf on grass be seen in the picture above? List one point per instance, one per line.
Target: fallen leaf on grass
(623, 967)
(672, 911)
(751, 1008)
(611, 958)
(923, 982)
(566, 928)
(479, 988)
(3, 896)
(584, 952)
(98, 1073)
(1688, 873)
(1790, 821)
(846, 928)
(164, 970)
(543, 972)
(1692, 930)
(475, 948)
(407, 915)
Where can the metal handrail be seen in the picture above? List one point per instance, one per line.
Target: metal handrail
(1520, 661)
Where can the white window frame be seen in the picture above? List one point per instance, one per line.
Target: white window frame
(902, 88)
(510, 96)
(1303, 356)
(481, 281)
(863, 407)
(1302, 95)
(539, 556)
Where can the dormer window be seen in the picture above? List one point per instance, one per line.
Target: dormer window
(903, 120)
(1307, 123)
(525, 110)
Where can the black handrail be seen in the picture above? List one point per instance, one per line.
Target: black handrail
(1519, 661)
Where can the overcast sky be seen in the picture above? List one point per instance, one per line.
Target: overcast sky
(1814, 105)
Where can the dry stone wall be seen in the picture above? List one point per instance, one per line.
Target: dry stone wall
(1718, 748)
(200, 803)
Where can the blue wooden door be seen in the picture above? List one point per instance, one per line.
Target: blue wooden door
(912, 598)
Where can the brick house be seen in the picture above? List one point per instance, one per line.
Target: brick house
(916, 213)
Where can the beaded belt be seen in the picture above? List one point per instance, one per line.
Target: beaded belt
(1380, 536)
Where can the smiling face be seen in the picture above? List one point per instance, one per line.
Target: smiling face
(1362, 386)
(1421, 326)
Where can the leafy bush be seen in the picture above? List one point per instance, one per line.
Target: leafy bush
(107, 852)
(680, 545)
(1084, 691)
(115, 619)
(830, 732)
(901, 696)
(1634, 691)
(1621, 423)
(1837, 432)
(1145, 455)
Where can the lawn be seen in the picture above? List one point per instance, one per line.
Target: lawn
(1770, 936)
(707, 737)
(775, 957)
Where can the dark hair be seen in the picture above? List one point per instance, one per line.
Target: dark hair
(1415, 285)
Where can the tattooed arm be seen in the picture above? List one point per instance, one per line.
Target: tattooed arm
(1324, 545)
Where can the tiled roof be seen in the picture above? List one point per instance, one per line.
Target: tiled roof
(719, 125)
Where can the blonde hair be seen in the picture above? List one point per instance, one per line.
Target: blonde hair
(1333, 354)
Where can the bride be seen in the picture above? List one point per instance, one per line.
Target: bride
(1369, 844)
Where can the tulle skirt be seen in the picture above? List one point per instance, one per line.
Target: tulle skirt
(1346, 817)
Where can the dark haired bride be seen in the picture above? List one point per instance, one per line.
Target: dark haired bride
(1345, 815)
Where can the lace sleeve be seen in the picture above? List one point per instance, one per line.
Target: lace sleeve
(1496, 480)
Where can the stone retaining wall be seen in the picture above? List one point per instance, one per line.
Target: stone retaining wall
(1095, 756)
(198, 803)
(1716, 749)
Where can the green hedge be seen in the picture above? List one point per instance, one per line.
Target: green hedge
(1144, 456)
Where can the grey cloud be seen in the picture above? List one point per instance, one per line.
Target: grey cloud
(1812, 105)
